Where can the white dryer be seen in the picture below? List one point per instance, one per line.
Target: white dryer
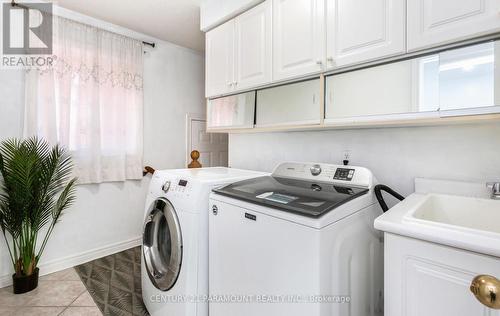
(299, 242)
(175, 239)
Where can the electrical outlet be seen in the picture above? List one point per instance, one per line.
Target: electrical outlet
(346, 155)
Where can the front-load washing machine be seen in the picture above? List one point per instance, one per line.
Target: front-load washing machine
(298, 242)
(175, 239)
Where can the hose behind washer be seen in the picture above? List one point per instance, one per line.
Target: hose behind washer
(378, 193)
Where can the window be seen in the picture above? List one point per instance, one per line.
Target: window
(91, 101)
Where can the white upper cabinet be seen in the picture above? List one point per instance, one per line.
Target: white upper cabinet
(360, 30)
(298, 37)
(254, 47)
(437, 22)
(220, 60)
(239, 52)
(280, 40)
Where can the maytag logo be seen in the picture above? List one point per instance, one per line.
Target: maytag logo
(27, 34)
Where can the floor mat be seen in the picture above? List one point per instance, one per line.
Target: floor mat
(114, 282)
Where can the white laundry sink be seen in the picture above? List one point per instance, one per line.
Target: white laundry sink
(457, 212)
(437, 241)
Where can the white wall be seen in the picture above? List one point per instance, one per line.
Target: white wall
(175, 84)
(108, 217)
(395, 155)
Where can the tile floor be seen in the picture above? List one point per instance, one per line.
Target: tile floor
(61, 293)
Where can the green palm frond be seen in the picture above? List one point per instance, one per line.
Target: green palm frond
(35, 188)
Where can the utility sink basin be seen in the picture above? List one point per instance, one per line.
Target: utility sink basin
(450, 213)
(457, 213)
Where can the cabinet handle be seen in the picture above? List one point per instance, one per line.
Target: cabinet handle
(229, 84)
(487, 290)
(330, 60)
(235, 83)
(319, 62)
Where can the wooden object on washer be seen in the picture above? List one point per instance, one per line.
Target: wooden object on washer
(195, 155)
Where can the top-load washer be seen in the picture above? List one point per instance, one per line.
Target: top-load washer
(175, 239)
(298, 242)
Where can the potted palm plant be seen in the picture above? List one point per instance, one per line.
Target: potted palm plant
(36, 185)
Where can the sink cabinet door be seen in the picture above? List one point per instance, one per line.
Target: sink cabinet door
(427, 279)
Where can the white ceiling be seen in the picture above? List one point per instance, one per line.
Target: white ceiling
(175, 21)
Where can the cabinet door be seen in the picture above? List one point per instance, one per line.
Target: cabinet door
(437, 22)
(298, 37)
(254, 47)
(291, 104)
(427, 279)
(234, 111)
(220, 59)
(360, 30)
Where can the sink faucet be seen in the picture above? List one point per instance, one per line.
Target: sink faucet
(495, 190)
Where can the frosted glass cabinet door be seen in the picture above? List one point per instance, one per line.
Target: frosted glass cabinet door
(235, 111)
(291, 104)
(360, 30)
(469, 79)
(399, 88)
(437, 22)
(455, 82)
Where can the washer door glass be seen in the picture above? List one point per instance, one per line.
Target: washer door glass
(162, 244)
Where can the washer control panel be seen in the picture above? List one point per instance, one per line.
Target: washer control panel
(326, 173)
(171, 186)
(181, 186)
(344, 174)
(177, 187)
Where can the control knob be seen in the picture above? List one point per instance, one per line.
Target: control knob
(166, 186)
(315, 170)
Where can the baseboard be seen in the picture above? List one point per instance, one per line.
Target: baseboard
(71, 261)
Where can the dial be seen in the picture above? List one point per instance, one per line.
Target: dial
(315, 170)
(166, 186)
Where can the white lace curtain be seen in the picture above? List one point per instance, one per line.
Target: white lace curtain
(91, 101)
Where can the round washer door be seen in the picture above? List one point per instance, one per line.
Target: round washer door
(162, 244)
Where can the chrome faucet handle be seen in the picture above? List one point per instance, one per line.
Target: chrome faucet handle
(493, 185)
(495, 189)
